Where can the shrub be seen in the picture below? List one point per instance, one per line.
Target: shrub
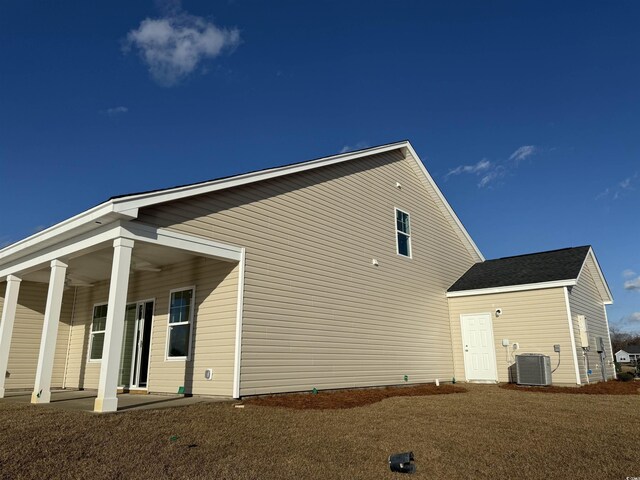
(625, 376)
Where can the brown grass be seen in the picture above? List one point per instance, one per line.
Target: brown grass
(600, 388)
(349, 398)
(489, 432)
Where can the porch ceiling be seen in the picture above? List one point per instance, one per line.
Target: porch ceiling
(96, 266)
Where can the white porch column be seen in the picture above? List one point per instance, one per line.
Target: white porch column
(6, 325)
(42, 389)
(108, 386)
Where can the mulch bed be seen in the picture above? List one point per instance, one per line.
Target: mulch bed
(349, 398)
(600, 388)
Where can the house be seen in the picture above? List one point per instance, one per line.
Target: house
(630, 354)
(329, 273)
(530, 303)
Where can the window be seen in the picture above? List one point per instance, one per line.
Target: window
(98, 325)
(179, 324)
(403, 233)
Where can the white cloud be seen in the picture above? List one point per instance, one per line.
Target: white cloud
(628, 273)
(490, 177)
(479, 167)
(621, 189)
(523, 152)
(112, 112)
(357, 146)
(633, 284)
(489, 171)
(172, 47)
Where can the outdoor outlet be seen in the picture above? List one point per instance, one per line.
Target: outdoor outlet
(505, 342)
(208, 374)
(556, 348)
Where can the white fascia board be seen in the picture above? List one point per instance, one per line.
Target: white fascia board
(88, 220)
(512, 288)
(142, 200)
(101, 236)
(67, 249)
(466, 238)
(608, 297)
(197, 245)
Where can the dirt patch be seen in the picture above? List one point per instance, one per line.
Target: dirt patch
(349, 398)
(600, 388)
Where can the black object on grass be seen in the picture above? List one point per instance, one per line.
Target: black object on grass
(402, 463)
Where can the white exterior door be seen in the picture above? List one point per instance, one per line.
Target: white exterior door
(479, 350)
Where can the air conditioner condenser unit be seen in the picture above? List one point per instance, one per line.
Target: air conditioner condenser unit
(533, 369)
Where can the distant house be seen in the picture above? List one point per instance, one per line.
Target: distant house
(631, 353)
(326, 274)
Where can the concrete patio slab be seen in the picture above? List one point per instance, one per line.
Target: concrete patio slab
(84, 399)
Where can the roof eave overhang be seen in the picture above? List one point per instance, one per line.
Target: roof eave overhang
(83, 222)
(512, 288)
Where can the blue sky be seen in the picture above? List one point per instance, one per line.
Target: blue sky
(525, 113)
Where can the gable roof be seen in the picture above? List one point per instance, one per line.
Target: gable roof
(554, 268)
(631, 349)
(126, 207)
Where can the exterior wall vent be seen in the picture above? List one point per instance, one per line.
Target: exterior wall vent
(533, 369)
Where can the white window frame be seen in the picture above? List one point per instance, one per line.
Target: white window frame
(92, 332)
(167, 358)
(395, 223)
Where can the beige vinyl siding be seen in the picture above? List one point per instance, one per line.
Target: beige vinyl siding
(27, 334)
(585, 299)
(317, 312)
(213, 336)
(536, 319)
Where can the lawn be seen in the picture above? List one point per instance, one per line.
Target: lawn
(487, 432)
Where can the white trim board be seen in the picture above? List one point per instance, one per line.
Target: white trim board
(237, 361)
(607, 298)
(512, 288)
(573, 337)
(100, 238)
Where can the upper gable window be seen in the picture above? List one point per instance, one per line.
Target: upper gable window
(403, 233)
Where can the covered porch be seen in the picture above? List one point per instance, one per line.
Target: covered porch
(123, 303)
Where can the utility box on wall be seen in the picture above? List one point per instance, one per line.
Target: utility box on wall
(584, 334)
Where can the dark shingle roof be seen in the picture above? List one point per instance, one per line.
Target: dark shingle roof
(564, 264)
(632, 349)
